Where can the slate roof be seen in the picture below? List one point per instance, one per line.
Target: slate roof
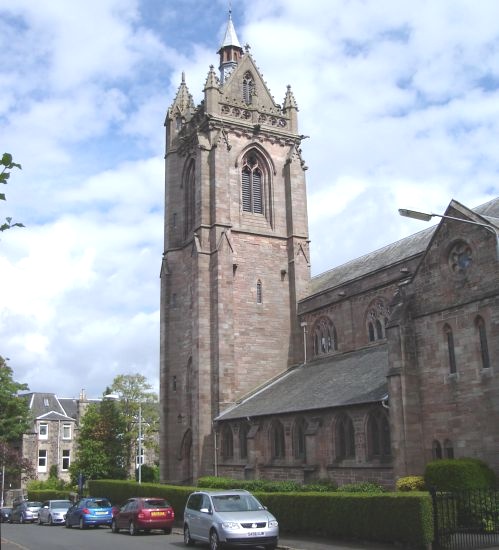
(391, 254)
(339, 380)
(48, 406)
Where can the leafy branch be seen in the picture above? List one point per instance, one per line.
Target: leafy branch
(7, 165)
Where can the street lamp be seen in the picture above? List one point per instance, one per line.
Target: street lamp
(423, 216)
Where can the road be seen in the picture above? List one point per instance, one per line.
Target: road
(35, 537)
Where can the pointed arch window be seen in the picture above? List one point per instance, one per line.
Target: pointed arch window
(344, 437)
(243, 440)
(484, 346)
(252, 184)
(227, 442)
(449, 339)
(448, 448)
(277, 440)
(299, 446)
(436, 450)
(248, 88)
(378, 436)
(189, 198)
(259, 292)
(325, 338)
(377, 318)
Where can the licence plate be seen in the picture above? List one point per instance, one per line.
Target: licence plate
(256, 534)
(100, 513)
(158, 514)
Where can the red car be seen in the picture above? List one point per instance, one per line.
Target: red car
(144, 514)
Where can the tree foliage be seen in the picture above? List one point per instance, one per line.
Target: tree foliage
(7, 165)
(135, 394)
(15, 420)
(102, 449)
(14, 411)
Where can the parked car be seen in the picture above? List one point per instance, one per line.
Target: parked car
(25, 512)
(53, 511)
(234, 518)
(144, 514)
(5, 514)
(90, 511)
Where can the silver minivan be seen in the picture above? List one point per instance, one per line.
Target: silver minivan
(235, 518)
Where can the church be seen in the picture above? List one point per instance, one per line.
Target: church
(363, 373)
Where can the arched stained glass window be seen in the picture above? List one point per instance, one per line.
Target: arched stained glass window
(344, 437)
(277, 440)
(484, 346)
(325, 337)
(449, 338)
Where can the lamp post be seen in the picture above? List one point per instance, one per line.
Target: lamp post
(423, 216)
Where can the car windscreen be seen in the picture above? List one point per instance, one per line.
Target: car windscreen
(99, 503)
(33, 504)
(236, 503)
(62, 504)
(156, 503)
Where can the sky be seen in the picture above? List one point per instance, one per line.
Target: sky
(400, 101)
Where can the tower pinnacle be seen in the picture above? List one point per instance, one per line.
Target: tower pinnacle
(230, 51)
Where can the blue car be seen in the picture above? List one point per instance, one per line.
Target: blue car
(89, 511)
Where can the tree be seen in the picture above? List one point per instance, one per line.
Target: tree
(15, 420)
(135, 394)
(102, 449)
(7, 164)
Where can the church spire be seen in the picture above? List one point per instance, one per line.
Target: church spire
(230, 51)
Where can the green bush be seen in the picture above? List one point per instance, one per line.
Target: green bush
(361, 487)
(410, 483)
(458, 474)
(48, 494)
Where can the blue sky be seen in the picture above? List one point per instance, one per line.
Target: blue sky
(400, 100)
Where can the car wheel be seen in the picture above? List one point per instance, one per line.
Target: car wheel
(82, 524)
(51, 522)
(167, 531)
(214, 541)
(132, 529)
(187, 536)
(21, 519)
(68, 525)
(114, 527)
(39, 521)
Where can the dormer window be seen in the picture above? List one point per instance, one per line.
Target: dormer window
(248, 88)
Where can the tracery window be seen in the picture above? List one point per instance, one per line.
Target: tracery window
(378, 435)
(325, 337)
(277, 440)
(377, 317)
(344, 437)
(449, 339)
(252, 184)
(248, 88)
(299, 446)
(227, 442)
(484, 346)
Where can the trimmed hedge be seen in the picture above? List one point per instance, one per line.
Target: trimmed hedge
(48, 494)
(455, 474)
(404, 518)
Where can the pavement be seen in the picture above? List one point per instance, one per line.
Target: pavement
(318, 543)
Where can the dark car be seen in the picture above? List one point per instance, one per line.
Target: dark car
(5, 514)
(144, 514)
(25, 512)
(88, 511)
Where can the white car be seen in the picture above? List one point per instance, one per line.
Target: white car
(53, 512)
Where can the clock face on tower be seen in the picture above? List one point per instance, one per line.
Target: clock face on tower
(227, 71)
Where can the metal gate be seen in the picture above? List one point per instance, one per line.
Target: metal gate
(466, 519)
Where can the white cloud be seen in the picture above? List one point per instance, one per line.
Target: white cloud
(400, 101)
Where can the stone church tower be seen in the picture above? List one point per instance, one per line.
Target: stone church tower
(236, 256)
